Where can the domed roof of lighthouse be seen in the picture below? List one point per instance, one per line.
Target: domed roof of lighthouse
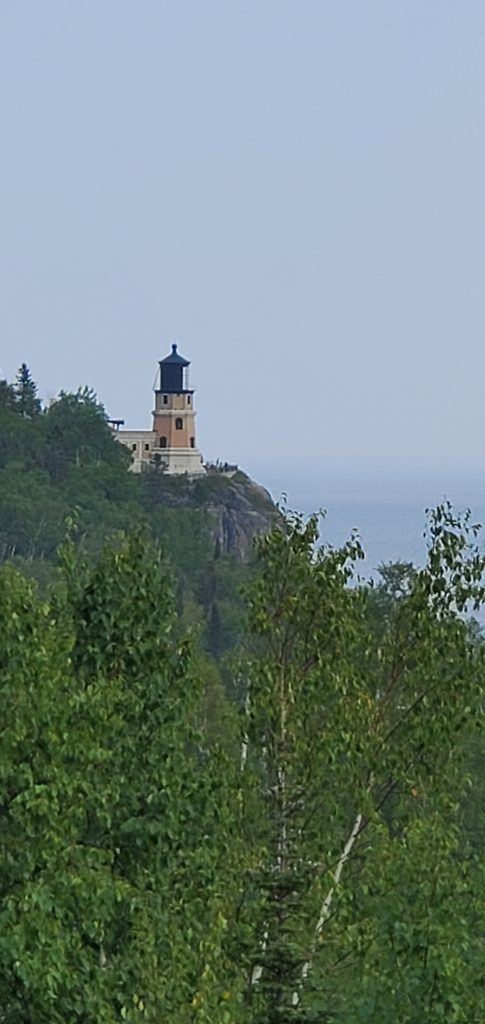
(175, 358)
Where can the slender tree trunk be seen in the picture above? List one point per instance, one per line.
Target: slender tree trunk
(327, 903)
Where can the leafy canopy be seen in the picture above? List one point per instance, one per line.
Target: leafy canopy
(317, 870)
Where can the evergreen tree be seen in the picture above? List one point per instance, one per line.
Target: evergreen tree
(7, 396)
(214, 632)
(28, 405)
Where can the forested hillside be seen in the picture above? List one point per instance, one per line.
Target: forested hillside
(62, 465)
(226, 808)
(301, 859)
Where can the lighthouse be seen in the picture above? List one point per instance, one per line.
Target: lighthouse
(171, 444)
(174, 417)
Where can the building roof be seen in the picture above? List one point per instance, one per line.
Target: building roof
(175, 358)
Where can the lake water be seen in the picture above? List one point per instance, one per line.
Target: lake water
(389, 514)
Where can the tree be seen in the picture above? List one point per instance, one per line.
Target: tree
(7, 396)
(77, 435)
(161, 798)
(40, 858)
(32, 514)
(214, 632)
(109, 892)
(353, 757)
(27, 403)
(150, 873)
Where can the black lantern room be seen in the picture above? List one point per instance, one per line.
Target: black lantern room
(174, 374)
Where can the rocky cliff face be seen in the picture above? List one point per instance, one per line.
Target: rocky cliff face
(239, 509)
(243, 513)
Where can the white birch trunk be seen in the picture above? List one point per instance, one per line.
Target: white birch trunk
(327, 903)
(258, 969)
(245, 741)
(282, 842)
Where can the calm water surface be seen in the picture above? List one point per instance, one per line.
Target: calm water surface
(389, 515)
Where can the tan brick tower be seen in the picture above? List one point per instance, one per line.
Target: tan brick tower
(174, 418)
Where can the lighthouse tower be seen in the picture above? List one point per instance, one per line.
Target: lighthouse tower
(171, 442)
(174, 418)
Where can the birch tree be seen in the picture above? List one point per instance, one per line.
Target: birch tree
(353, 744)
(318, 873)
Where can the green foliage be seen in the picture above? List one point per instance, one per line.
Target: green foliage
(7, 396)
(419, 926)
(295, 840)
(65, 462)
(26, 402)
(20, 439)
(77, 435)
(109, 891)
(31, 514)
(184, 534)
(355, 743)
(153, 868)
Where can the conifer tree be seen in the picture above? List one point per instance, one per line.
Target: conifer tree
(28, 405)
(7, 396)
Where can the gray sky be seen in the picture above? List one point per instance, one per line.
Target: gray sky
(291, 190)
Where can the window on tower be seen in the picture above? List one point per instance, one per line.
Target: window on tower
(192, 442)
(163, 442)
(188, 399)
(165, 399)
(178, 423)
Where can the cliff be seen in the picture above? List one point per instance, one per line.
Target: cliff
(64, 462)
(239, 509)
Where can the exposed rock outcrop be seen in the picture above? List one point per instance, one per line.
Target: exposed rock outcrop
(239, 509)
(246, 512)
